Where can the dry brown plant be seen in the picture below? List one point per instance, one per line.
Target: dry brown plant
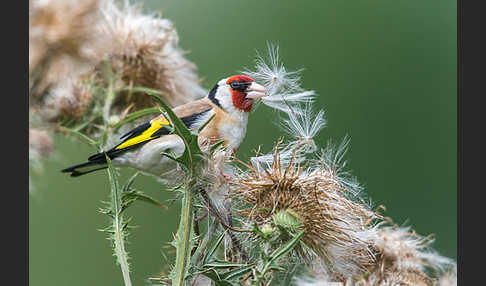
(336, 228)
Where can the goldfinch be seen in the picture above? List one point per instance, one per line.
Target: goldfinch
(230, 101)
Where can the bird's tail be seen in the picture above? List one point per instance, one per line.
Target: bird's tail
(84, 168)
(95, 162)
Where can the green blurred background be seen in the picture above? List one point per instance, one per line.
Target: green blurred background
(385, 72)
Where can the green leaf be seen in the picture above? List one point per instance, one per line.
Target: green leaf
(79, 134)
(85, 123)
(189, 160)
(281, 251)
(129, 183)
(137, 195)
(285, 248)
(236, 273)
(184, 240)
(192, 153)
(277, 268)
(222, 264)
(203, 246)
(173, 157)
(118, 225)
(289, 274)
(216, 146)
(135, 115)
(216, 277)
(175, 121)
(141, 89)
(213, 248)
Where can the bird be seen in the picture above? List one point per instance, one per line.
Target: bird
(229, 101)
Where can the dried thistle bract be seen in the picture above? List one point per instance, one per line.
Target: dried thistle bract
(336, 228)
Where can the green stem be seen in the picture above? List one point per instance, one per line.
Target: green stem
(77, 133)
(271, 260)
(116, 195)
(190, 161)
(204, 244)
(184, 237)
(118, 232)
(135, 115)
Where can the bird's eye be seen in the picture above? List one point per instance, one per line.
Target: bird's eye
(240, 86)
(234, 84)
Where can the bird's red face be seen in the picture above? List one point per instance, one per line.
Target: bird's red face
(244, 90)
(237, 92)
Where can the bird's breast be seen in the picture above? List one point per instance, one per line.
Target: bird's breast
(233, 134)
(231, 129)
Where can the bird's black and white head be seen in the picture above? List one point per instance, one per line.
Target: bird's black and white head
(236, 93)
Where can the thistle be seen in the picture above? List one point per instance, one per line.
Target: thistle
(61, 37)
(312, 199)
(406, 258)
(70, 44)
(295, 210)
(145, 52)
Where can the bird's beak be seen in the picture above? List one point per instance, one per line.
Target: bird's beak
(255, 91)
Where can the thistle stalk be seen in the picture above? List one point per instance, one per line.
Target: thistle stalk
(118, 224)
(184, 236)
(190, 161)
(116, 203)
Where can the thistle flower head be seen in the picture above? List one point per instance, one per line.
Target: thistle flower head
(64, 43)
(336, 228)
(73, 42)
(402, 257)
(145, 53)
(62, 27)
(62, 35)
(68, 99)
(407, 249)
(406, 278)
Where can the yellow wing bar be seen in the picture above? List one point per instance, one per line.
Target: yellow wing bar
(145, 135)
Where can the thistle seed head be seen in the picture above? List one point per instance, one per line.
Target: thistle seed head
(283, 86)
(270, 72)
(337, 229)
(70, 43)
(405, 257)
(303, 124)
(61, 37)
(145, 53)
(69, 100)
